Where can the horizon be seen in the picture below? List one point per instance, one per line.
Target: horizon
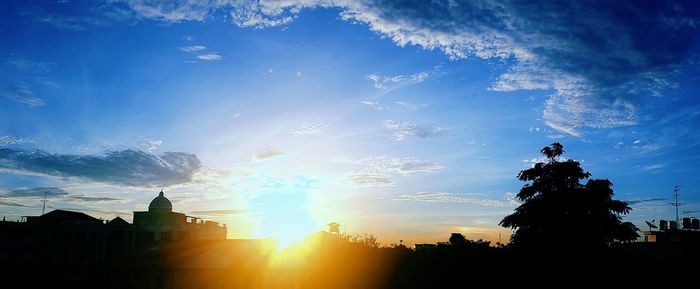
(405, 121)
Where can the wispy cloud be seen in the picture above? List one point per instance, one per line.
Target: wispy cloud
(194, 48)
(22, 93)
(653, 168)
(13, 140)
(387, 82)
(445, 197)
(214, 56)
(29, 66)
(12, 204)
(646, 200)
(411, 106)
(309, 127)
(373, 104)
(173, 11)
(267, 153)
(378, 171)
(52, 193)
(199, 51)
(406, 130)
(126, 167)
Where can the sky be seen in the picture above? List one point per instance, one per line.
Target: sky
(408, 119)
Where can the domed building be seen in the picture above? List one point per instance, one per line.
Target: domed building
(160, 223)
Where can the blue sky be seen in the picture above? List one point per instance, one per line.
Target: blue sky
(405, 119)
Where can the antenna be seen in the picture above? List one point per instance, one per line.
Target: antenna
(43, 209)
(677, 204)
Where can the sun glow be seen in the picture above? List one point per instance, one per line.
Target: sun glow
(286, 219)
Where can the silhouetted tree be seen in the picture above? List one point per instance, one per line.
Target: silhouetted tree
(558, 210)
(457, 239)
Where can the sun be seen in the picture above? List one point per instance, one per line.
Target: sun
(285, 218)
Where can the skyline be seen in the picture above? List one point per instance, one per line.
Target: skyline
(400, 120)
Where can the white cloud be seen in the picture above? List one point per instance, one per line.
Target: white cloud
(378, 171)
(150, 145)
(210, 56)
(298, 73)
(406, 130)
(410, 106)
(373, 104)
(389, 82)
(174, 11)
(28, 66)
(194, 48)
(13, 140)
(267, 153)
(653, 167)
(22, 93)
(444, 197)
(309, 127)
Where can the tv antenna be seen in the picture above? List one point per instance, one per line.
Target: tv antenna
(677, 204)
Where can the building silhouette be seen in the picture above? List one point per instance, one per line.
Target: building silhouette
(160, 249)
(161, 224)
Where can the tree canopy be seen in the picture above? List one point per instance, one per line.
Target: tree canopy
(557, 209)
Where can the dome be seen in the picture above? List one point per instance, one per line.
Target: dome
(160, 204)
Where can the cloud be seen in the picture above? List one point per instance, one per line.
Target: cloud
(22, 93)
(199, 50)
(214, 56)
(194, 48)
(647, 200)
(387, 82)
(11, 204)
(378, 171)
(406, 130)
(7, 140)
(653, 167)
(267, 153)
(172, 10)
(54, 192)
(35, 192)
(29, 66)
(410, 106)
(92, 199)
(150, 145)
(373, 104)
(100, 14)
(444, 197)
(125, 167)
(600, 59)
(309, 127)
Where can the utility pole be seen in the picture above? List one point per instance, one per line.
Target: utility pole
(43, 209)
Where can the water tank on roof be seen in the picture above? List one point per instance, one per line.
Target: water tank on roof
(695, 223)
(663, 225)
(673, 225)
(686, 223)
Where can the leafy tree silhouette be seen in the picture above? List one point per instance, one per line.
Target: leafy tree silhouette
(558, 210)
